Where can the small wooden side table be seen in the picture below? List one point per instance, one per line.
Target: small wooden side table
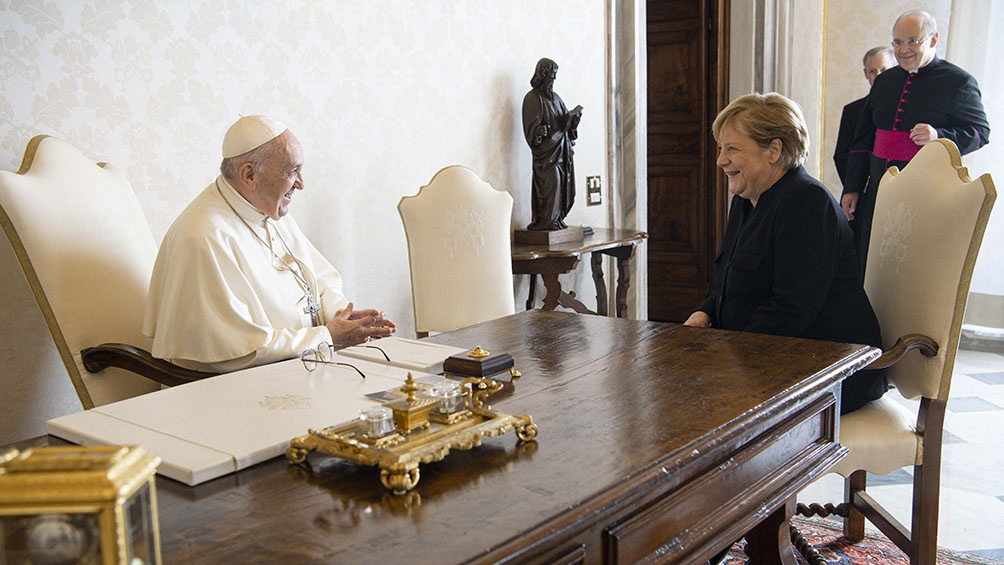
(549, 261)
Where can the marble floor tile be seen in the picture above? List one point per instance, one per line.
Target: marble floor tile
(974, 468)
(965, 384)
(900, 477)
(994, 378)
(971, 404)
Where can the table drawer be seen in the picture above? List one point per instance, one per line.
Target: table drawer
(737, 492)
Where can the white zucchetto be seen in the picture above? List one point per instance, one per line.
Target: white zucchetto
(250, 132)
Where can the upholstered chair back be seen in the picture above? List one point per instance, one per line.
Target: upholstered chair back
(458, 232)
(927, 229)
(87, 252)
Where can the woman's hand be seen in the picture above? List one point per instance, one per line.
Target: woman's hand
(698, 320)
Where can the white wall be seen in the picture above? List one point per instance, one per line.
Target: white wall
(977, 50)
(382, 95)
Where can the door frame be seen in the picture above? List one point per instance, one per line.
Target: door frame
(757, 29)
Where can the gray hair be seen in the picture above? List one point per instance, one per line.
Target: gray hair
(259, 157)
(876, 51)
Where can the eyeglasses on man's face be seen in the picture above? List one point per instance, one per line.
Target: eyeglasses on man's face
(912, 42)
(322, 355)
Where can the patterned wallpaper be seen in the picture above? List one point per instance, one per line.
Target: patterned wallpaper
(381, 93)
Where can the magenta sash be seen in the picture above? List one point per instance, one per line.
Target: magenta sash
(894, 145)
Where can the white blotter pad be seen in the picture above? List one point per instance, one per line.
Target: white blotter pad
(416, 355)
(209, 428)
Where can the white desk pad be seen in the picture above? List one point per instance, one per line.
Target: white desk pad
(206, 429)
(423, 356)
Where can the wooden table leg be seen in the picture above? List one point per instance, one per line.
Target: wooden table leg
(555, 296)
(549, 268)
(623, 284)
(532, 291)
(623, 255)
(553, 291)
(769, 542)
(601, 284)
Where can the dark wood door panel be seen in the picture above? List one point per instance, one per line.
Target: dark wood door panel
(669, 12)
(674, 207)
(672, 143)
(672, 302)
(686, 86)
(678, 60)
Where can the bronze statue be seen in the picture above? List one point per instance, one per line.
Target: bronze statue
(551, 131)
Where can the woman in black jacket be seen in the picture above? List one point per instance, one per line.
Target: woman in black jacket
(787, 265)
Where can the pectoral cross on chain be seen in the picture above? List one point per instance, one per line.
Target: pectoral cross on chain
(312, 308)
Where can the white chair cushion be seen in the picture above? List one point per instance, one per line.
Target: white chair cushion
(882, 438)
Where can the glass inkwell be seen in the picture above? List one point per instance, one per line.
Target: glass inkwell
(376, 422)
(451, 405)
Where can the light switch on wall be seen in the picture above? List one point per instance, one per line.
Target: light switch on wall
(593, 194)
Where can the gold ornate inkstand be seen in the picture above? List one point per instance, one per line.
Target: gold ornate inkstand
(421, 427)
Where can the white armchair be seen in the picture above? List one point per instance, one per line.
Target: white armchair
(928, 227)
(87, 252)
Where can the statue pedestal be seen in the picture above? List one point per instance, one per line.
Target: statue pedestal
(549, 237)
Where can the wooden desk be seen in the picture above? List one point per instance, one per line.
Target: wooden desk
(551, 261)
(657, 442)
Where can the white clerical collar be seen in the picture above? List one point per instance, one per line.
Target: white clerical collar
(244, 209)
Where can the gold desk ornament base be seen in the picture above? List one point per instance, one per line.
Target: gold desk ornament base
(419, 435)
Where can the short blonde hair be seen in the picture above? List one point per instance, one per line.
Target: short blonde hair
(764, 118)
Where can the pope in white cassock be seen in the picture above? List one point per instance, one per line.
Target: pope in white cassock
(236, 283)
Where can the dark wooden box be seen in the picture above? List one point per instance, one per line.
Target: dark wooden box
(467, 366)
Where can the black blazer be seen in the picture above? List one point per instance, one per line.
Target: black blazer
(845, 136)
(939, 93)
(788, 267)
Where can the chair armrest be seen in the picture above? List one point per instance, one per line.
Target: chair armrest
(927, 346)
(138, 361)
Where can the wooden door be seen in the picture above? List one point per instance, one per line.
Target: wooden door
(687, 202)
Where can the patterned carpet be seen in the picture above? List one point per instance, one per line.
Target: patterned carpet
(826, 537)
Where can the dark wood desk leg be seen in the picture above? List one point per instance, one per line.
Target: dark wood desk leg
(601, 284)
(769, 542)
(533, 290)
(623, 284)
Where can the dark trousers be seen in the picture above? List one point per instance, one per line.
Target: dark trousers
(861, 225)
